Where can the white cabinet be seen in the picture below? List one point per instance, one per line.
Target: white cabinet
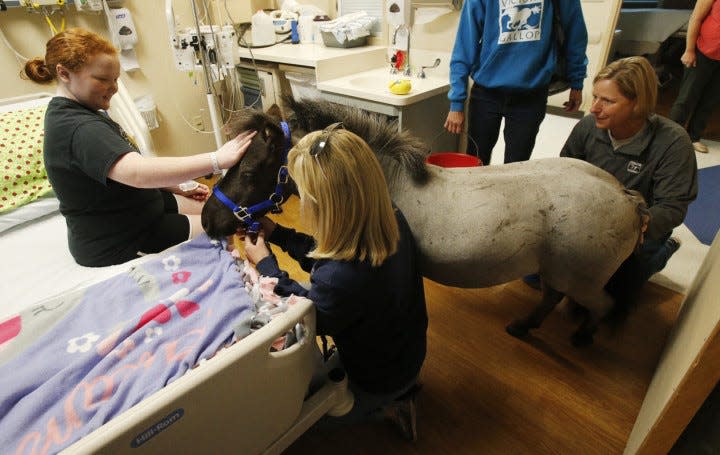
(424, 118)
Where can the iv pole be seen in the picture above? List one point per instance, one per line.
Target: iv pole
(212, 106)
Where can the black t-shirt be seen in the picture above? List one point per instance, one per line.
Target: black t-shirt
(105, 218)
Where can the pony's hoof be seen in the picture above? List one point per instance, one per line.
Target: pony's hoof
(581, 339)
(517, 330)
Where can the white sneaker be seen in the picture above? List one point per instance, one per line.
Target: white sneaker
(700, 147)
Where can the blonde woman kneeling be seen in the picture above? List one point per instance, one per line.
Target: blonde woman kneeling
(364, 279)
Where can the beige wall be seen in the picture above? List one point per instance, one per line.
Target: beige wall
(438, 35)
(179, 97)
(176, 94)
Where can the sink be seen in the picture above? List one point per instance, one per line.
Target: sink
(379, 82)
(372, 81)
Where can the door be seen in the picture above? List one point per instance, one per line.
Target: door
(600, 19)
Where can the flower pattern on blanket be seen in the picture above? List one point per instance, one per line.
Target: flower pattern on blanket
(82, 343)
(94, 353)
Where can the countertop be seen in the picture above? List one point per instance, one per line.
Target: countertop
(360, 72)
(304, 54)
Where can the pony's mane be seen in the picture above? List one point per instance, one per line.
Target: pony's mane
(396, 151)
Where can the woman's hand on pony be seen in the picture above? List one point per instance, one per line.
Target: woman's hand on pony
(233, 150)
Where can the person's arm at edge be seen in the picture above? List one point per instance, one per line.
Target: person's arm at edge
(465, 52)
(674, 188)
(701, 10)
(576, 41)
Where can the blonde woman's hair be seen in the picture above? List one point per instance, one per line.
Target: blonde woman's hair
(636, 80)
(344, 197)
(72, 48)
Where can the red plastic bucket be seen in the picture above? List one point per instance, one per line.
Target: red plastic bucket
(453, 159)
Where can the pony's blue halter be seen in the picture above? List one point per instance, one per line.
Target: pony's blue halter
(272, 203)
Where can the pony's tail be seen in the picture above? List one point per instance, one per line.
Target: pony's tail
(624, 295)
(643, 213)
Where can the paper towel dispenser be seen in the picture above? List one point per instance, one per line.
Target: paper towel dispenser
(454, 4)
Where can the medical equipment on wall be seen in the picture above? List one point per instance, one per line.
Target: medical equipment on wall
(214, 44)
(88, 5)
(47, 8)
(207, 48)
(50, 8)
(80, 5)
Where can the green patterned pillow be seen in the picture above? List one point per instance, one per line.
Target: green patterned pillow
(22, 172)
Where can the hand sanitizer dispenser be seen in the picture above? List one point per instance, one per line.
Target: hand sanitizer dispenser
(398, 12)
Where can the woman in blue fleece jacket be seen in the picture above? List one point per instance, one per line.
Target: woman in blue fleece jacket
(364, 280)
(508, 49)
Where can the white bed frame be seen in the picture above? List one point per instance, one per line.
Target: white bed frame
(244, 400)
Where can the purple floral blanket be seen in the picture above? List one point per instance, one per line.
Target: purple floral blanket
(70, 364)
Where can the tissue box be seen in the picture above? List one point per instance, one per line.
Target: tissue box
(329, 40)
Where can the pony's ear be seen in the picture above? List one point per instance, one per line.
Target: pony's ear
(275, 112)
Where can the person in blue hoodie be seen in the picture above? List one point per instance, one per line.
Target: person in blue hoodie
(508, 49)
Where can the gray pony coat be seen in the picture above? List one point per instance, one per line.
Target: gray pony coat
(476, 227)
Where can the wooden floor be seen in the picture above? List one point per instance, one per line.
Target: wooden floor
(485, 392)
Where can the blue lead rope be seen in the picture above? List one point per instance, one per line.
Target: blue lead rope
(272, 203)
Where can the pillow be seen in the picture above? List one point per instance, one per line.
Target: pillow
(22, 173)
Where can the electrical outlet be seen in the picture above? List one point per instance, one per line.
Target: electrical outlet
(198, 122)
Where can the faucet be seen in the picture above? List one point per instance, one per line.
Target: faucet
(421, 74)
(403, 45)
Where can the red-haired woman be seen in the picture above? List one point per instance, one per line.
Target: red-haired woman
(110, 195)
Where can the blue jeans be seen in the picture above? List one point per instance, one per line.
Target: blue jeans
(523, 113)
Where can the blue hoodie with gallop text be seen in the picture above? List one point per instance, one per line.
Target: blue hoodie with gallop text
(509, 45)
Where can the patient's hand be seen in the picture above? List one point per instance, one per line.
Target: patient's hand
(199, 193)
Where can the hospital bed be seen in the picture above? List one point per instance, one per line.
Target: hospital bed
(240, 392)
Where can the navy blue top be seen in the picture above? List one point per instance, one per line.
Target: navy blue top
(375, 315)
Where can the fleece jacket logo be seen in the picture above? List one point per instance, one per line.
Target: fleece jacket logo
(520, 21)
